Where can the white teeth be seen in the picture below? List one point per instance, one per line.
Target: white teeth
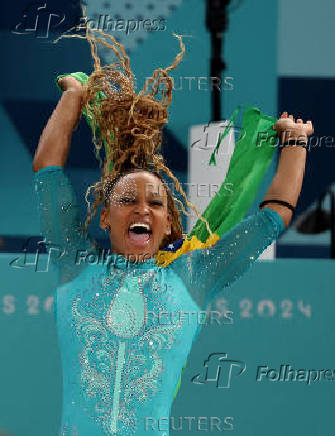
(146, 226)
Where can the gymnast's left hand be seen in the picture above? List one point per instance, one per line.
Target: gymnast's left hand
(287, 128)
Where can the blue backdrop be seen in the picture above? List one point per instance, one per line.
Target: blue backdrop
(280, 313)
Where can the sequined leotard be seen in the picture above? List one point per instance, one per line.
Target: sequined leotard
(125, 329)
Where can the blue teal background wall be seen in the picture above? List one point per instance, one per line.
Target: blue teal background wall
(306, 87)
(30, 374)
(28, 93)
(305, 42)
(281, 314)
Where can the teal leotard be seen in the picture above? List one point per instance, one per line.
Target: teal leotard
(125, 329)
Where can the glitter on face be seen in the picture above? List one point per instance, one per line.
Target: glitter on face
(122, 193)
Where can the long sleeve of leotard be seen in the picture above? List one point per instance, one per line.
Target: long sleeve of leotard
(60, 223)
(208, 271)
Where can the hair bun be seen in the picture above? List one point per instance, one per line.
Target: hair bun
(138, 160)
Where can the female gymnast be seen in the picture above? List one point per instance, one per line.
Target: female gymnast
(124, 326)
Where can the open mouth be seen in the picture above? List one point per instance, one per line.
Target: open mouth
(139, 234)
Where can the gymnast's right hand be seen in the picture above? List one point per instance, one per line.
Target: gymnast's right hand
(70, 83)
(54, 144)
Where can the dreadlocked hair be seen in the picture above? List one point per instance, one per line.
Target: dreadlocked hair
(128, 126)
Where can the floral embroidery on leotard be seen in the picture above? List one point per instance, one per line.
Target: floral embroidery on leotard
(120, 360)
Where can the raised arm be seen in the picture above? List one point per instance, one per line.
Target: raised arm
(55, 141)
(208, 271)
(287, 183)
(60, 222)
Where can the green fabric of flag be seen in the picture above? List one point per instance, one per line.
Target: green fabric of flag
(252, 156)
